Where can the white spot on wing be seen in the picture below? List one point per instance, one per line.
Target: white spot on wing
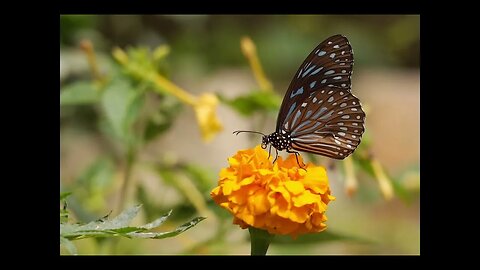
(330, 99)
(321, 53)
(316, 71)
(336, 47)
(332, 55)
(329, 72)
(323, 81)
(337, 78)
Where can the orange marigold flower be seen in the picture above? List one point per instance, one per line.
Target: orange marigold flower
(281, 198)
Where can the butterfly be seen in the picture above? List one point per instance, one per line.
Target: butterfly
(319, 114)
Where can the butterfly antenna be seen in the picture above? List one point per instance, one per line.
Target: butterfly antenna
(249, 131)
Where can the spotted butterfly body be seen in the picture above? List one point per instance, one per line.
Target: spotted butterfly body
(319, 114)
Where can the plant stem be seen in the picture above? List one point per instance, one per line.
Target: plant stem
(260, 240)
(130, 158)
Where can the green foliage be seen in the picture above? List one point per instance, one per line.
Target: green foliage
(119, 226)
(255, 101)
(91, 186)
(64, 195)
(162, 119)
(121, 103)
(79, 93)
(202, 177)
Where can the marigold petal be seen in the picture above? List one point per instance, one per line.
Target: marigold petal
(316, 180)
(299, 214)
(258, 203)
(305, 198)
(295, 187)
(247, 181)
(215, 191)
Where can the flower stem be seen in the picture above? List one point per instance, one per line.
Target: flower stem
(250, 52)
(384, 182)
(129, 160)
(260, 240)
(351, 182)
(87, 47)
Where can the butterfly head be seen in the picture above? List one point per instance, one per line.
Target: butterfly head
(265, 141)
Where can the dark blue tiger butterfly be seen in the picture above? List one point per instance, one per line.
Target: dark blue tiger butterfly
(319, 114)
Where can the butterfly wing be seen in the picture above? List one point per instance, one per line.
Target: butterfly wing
(329, 64)
(329, 122)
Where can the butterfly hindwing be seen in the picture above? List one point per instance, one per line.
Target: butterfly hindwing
(329, 122)
(329, 64)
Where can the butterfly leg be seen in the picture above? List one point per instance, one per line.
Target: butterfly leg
(296, 156)
(269, 149)
(276, 156)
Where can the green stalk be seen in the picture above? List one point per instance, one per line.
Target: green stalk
(130, 160)
(260, 240)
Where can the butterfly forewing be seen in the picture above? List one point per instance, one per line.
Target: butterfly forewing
(329, 122)
(329, 64)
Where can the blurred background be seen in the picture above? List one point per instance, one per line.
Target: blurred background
(128, 138)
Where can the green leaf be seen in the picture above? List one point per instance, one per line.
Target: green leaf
(119, 226)
(253, 102)
(159, 221)
(64, 195)
(175, 232)
(79, 93)
(315, 238)
(121, 104)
